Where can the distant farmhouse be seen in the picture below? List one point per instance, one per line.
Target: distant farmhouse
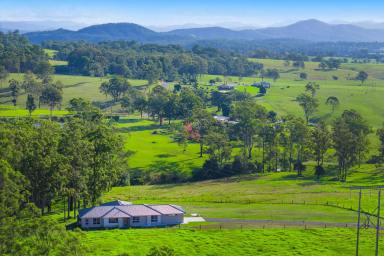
(121, 214)
(224, 120)
(226, 87)
(263, 84)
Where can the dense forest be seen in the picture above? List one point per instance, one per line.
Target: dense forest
(18, 55)
(284, 48)
(150, 62)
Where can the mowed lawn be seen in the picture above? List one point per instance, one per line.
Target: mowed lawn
(154, 149)
(11, 111)
(278, 242)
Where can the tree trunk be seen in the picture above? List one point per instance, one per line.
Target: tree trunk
(161, 120)
(64, 203)
(263, 157)
(201, 147)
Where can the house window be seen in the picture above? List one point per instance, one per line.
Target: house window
(153, 218)
(136, 219)
(86, 222)
(96, 221)
(113, 220)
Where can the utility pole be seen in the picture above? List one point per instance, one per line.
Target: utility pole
(378, 222)
(358, 225)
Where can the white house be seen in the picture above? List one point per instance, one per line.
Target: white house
(120, 214)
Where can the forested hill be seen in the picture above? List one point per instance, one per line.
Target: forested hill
(19, 55)
(106, 32)
(311, 30)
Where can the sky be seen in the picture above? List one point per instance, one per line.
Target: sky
(205, 12)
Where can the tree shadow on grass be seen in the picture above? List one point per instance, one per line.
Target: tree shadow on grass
(140, 128)
(130, 120)
(165, 155)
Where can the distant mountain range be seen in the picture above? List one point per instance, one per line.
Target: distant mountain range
(33, 26)
(310, 30)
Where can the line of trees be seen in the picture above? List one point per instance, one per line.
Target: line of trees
(40, 91)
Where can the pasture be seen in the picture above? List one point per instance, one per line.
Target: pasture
(277, 242)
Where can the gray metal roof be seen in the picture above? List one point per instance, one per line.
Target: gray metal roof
(116, 203)
(95, 212)
(116, 213)
(138, 210)
(166, 209)
(121, 211)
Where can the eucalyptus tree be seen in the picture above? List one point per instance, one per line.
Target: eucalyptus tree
(115, 87)
(52, 95)
(308, 103)
(312, 88)
(333, 101)
(218, 146)
(296, 139)
(14, 86)
(321, 141)
(157, 101)
(350, 141)
(30, 104)
(106, 158)
(76, 148)
(362, 76)
(202, 122)
(250, 117)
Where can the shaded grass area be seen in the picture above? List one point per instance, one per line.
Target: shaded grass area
(334, 241)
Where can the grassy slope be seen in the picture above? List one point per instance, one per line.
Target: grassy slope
(281, 97)
(267, 197)
(230, 242)
(75, 86)
(154, 149)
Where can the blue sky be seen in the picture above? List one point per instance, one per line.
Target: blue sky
(177, 12)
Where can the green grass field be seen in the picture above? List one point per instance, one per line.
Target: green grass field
(154, 149)
(230, 242)
(278, 196)
(74, 87)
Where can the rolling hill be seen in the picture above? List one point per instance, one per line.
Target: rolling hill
(310, 30)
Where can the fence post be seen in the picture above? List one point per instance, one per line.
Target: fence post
(220, 226)
(200, 227)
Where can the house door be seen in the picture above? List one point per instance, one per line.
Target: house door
(126, 222)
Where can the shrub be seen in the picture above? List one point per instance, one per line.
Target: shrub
(319, 171)
(161, 251)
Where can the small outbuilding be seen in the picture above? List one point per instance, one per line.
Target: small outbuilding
(263, 84)
(226, 87)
